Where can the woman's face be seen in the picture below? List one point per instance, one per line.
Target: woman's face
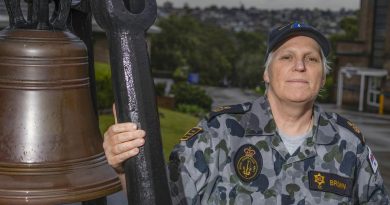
(296, 72)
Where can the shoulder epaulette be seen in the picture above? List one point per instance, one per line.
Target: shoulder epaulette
(230, 109)
(351, 127)
(191, 133)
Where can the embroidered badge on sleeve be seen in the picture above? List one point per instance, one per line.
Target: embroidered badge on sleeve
(372, 160)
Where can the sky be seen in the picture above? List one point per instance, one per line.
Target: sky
(270, 4)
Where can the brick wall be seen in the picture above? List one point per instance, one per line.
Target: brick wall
(359, 52)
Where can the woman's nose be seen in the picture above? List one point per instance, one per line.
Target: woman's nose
(299, 65)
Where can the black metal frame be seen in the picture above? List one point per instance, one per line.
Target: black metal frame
(125, 25)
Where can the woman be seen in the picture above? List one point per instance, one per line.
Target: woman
(280, 149)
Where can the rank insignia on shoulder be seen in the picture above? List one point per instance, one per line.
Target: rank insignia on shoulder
(221, 108)
(351, 127)
(332, 183)
(190, 133)
(231, 109)
(248, 163)
(372, 160)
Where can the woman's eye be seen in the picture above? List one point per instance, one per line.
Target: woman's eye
(313, 59)
(285, 57)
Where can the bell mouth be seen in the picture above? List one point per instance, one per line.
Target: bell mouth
(71, 181)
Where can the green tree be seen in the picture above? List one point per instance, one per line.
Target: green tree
(215, 53)
(185, 41)
(350, 27)
(250, 50)
(350, 30)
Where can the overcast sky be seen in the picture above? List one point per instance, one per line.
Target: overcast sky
(271, 4)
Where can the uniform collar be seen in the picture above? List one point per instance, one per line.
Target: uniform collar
(324, 126)
(259, 121)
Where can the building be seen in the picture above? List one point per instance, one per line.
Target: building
(370, 49)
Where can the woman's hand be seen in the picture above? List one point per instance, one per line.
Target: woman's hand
(121, 142)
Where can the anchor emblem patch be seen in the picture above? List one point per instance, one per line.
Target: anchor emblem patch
(248, 163)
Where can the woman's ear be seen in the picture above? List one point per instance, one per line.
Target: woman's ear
(323, 81)
(266, 77)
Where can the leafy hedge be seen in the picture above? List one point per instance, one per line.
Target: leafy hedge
(105, 95)
(193, 110)
(325, 95)
(188, 98)
(191, 95)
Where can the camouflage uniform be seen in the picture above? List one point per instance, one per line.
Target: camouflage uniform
(237, 157)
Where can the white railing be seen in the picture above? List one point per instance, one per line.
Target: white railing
(374, 79)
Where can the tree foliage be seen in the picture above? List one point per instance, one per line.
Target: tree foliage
(350, 32)
(250, 49)
(349, 25)
(216, 54)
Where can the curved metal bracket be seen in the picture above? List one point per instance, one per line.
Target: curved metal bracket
(16, 18)
(40, 14)
(60, 14)
(117, 16)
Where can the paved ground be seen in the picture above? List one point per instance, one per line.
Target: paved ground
(376, 129)
(229, 96)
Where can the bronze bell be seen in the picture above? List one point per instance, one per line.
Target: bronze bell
(50, 145)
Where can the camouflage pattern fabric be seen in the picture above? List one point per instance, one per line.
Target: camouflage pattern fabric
(237, 157)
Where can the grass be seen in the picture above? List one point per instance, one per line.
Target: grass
(102, 69)
(173, 126)
(105, 121)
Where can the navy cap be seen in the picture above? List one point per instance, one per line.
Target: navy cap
(279, 35)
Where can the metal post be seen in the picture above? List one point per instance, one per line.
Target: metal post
(381, 103)
(135, 100)
(361, 95)
(80, 23)
(43, 15)
(340, 88)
